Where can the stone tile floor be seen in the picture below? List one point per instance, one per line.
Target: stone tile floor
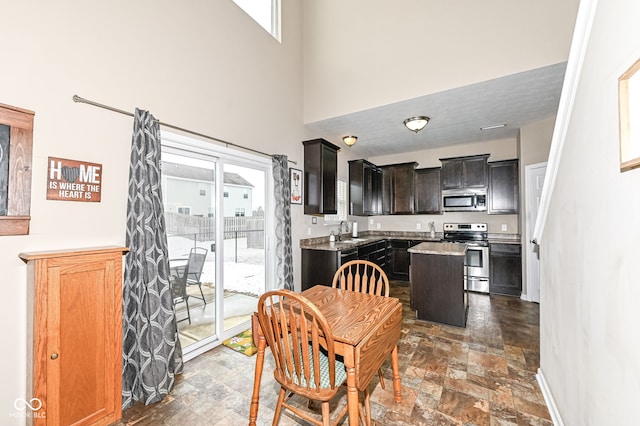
(483, 374)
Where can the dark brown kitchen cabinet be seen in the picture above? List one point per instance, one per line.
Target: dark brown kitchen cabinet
(398, 259)
(437, 288)
(505, 269)
(398, 188)
(319, 266)
(320, 176)
(365, 186)
(464, 172)
(375, 252)
(503, 193)
(428, 192)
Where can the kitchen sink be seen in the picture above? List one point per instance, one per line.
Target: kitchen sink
(353, 240)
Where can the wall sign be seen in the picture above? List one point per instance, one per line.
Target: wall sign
(296, 185)
(629, 121)
(72, 180)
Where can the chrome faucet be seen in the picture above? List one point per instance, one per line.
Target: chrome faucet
(346, 224)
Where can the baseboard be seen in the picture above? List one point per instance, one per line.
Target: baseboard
(548, 398)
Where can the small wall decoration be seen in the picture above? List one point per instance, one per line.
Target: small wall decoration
(72, 180)
(629, 117)
(16, 142)
(296, 186)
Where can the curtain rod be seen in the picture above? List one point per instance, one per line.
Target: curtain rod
(77, 98)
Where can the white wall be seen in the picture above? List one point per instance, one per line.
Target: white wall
(360, 54)
(590, 287)
(200, 65)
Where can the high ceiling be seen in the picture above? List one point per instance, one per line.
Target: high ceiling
(456, 115)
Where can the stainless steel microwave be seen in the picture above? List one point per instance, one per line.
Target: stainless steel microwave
(464, 200)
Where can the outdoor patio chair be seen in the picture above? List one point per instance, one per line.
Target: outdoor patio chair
(191, 271)
(179, 294)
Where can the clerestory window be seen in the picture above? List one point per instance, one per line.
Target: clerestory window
(264, 12)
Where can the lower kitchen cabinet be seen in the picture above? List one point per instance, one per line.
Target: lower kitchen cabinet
(74, 361)
(398, 259)
(374, 252)
(319, 266)
(505, 269)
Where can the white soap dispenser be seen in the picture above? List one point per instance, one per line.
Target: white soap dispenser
(332, 237)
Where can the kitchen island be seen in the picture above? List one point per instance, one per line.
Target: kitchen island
(437, 282)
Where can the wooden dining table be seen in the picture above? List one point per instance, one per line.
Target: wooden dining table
(366, 330)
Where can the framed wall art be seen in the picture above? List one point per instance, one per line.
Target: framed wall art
(16, 140)
(296, 185)
(629, 117)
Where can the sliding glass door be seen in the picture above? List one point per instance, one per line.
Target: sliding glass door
(215, 208)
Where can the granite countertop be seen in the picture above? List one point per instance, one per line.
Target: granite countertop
(451, 249)
(504, 238)
(367, 237)
(322, 243)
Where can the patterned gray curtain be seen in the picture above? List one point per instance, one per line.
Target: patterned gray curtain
(151, 351)
(282, 190)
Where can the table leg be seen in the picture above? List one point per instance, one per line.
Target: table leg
(253, 412)
(353, 398)
(397, 388)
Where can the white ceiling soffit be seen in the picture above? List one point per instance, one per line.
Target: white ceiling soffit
(456, 115)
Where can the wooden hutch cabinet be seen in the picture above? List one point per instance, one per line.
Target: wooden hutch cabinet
(74, 362)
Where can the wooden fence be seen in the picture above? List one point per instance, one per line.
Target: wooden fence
(203, 228)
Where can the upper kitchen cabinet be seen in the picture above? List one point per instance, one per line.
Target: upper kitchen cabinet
(365, 185)
(428, 193)
(464, 172)
(398, 188)
(320, 176)
(503, 187)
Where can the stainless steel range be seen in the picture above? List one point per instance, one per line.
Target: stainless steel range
(477, 260)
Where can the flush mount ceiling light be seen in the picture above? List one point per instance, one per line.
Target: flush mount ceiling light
(350, 140)
(417, 123)
(493, 126)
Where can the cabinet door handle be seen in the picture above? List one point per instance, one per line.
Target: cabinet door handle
(54, 356)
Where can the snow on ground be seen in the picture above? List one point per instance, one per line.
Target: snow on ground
(243, 275)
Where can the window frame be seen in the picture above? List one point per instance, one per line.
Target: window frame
(275, 25)
(341, 204)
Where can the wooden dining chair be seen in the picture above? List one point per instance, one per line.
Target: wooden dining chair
(303, 349)
(362, 276)
(365, 277)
